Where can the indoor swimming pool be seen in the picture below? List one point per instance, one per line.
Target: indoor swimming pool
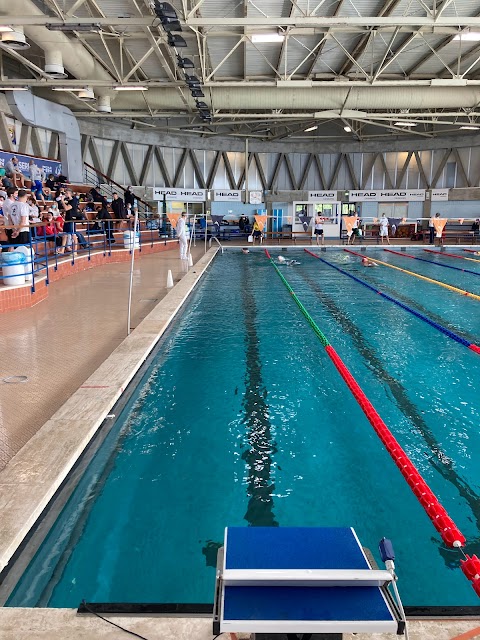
(242, 420)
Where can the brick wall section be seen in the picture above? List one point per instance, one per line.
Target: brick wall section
(14, 299)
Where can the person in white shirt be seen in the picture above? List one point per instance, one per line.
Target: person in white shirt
(181, 232)
(37, 176)
(384, 228)
(18, 215)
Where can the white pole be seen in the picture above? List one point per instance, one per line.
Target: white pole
(135, 223)
(190, 239)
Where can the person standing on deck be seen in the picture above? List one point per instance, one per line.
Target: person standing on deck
(180, 230)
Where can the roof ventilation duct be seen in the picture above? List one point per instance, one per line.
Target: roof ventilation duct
(86, 94)
(54, 64)
(103, 104)
(15, 39)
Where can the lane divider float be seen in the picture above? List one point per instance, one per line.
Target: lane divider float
(438, 264)
(417, 275)
(417, 314)
(451, 255)
(446, 527)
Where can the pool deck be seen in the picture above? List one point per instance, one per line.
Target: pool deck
(65, 624)
(35, 472)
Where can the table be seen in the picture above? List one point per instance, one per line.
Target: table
(275, 580)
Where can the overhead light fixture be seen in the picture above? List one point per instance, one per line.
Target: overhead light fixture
(164, 10)
(74, 26)
(171, 25)
(68, 89)
(176, 41)
(201, 105)
(131, 87)
(347, 128)
(311, 129)
(4, 28)
(197, 93)
(13, 88)
(267, 37)
(404, 123)
(185, 63)
(468, 36)
(192, 81)
(470, 127)
(15, 39)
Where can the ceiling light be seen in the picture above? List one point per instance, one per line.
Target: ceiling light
(201, 105)
(164, 10)
(4, 28)
(13, 88)
(175, 40)
(67, 88)
(74, 26)
(131, 87)
(347, 128)
(185, 63)
(404, 123)
(470, 127)
(267, 37)
(171, 25)
(468, 36)
(192, 81)
(197, 93)
(311, 129)
(15, 39)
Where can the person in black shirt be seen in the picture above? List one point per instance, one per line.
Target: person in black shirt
(97, 197)
(129, 197)
(118, 207)
(106, 218)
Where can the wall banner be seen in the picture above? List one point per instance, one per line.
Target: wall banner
(439, 195)
(48, 166)
(180, 195)
(388, 195)
(227, 195)
(322, 196)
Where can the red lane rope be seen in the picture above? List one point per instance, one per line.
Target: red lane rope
(443, 253)
(446, 527)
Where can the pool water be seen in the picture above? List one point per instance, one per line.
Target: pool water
(242, 420)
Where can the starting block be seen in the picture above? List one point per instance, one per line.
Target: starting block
(273, 581)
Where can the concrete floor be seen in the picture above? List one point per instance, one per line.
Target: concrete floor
(61, 341)
(65, 624)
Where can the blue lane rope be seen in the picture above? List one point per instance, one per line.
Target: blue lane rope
(432, 323)
(438, 264)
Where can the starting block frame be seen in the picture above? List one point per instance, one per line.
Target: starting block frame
(301, 580)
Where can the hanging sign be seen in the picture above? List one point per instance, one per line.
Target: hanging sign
(322, 196)
(256, 197)
(440, 195)
(181, 195)
(227, 195)
(388, 195)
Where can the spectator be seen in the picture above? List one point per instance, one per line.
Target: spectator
(13, 172)
(37, 176)
(129, 197)
(97, 197)
(18, 214)
(118, 207)
(12, 193)
(106, 218)
(4, 241)
(47, 232)
(49, 187)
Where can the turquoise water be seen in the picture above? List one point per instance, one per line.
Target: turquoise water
(242, 420)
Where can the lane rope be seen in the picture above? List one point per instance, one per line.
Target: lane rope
(446, 527)
(451, 255)
(417, 275)
(437, 264)
(417, 314)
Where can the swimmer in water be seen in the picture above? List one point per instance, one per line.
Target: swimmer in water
(289, 263)
(245, 251)
(368, 263)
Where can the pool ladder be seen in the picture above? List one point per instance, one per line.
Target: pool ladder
(217, 240)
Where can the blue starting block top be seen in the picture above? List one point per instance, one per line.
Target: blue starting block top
(301, 580)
